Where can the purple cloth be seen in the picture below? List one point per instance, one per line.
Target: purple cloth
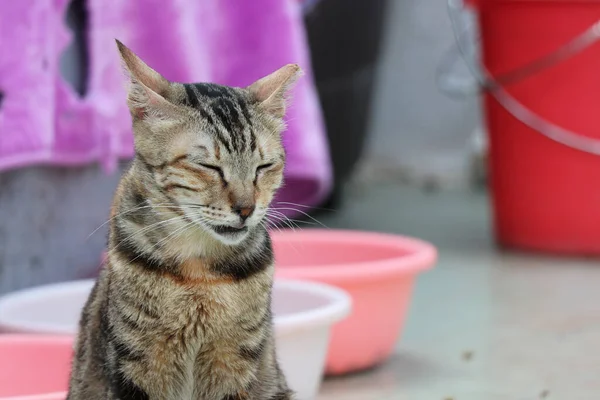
(232, 42)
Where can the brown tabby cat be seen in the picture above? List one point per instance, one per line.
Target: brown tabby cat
(182, 309)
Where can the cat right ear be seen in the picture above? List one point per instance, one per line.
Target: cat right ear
(147, 89)
(271, 91)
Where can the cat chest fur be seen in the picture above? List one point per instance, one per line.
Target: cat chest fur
(201, 335)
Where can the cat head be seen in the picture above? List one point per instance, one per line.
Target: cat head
(213, 151)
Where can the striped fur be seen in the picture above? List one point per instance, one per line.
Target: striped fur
(182, 308)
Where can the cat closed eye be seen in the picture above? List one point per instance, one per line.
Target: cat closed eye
(211, 167)
(263, 167)
(216, 169)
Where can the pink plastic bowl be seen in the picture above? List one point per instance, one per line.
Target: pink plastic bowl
(34, 367)
(377, 270)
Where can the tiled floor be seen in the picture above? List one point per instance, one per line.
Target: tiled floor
(484, 325)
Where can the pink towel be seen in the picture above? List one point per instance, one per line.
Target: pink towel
(232, 42)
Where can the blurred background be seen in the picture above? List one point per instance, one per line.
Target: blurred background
(389, 133)
(374, 71)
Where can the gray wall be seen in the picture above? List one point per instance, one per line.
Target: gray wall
(414, 126)
(46, 216)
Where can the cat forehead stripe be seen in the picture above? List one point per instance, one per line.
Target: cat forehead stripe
(226, 110)
(191, 97)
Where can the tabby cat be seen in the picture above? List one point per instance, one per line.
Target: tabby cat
(182, 308)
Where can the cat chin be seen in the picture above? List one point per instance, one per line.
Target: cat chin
(229, 240)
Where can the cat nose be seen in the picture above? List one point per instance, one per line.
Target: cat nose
(243, 211)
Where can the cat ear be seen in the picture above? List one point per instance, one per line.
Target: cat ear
(271, 90)
(147, 89)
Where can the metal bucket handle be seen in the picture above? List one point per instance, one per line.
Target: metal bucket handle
(494, 85)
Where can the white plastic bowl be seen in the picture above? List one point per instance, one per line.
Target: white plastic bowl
(304, 314)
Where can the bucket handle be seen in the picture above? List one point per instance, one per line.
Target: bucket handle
(494, 85)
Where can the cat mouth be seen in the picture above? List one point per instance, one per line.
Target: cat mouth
(227, 230)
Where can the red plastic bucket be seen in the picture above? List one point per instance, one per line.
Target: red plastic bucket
(544, 124)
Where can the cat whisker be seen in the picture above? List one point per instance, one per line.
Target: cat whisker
(275, 213)
(304, 206)
(279, 230)
(271, 225)
(133, 209)
(144, 230)
(296, 222)
(301, 212)
(195, 206)
(283, 218)
(116, 216)
(170, 235)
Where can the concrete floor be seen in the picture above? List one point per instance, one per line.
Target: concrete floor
(484, 324)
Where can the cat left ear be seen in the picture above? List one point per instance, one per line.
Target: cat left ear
(147, 89)
(271, 91)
